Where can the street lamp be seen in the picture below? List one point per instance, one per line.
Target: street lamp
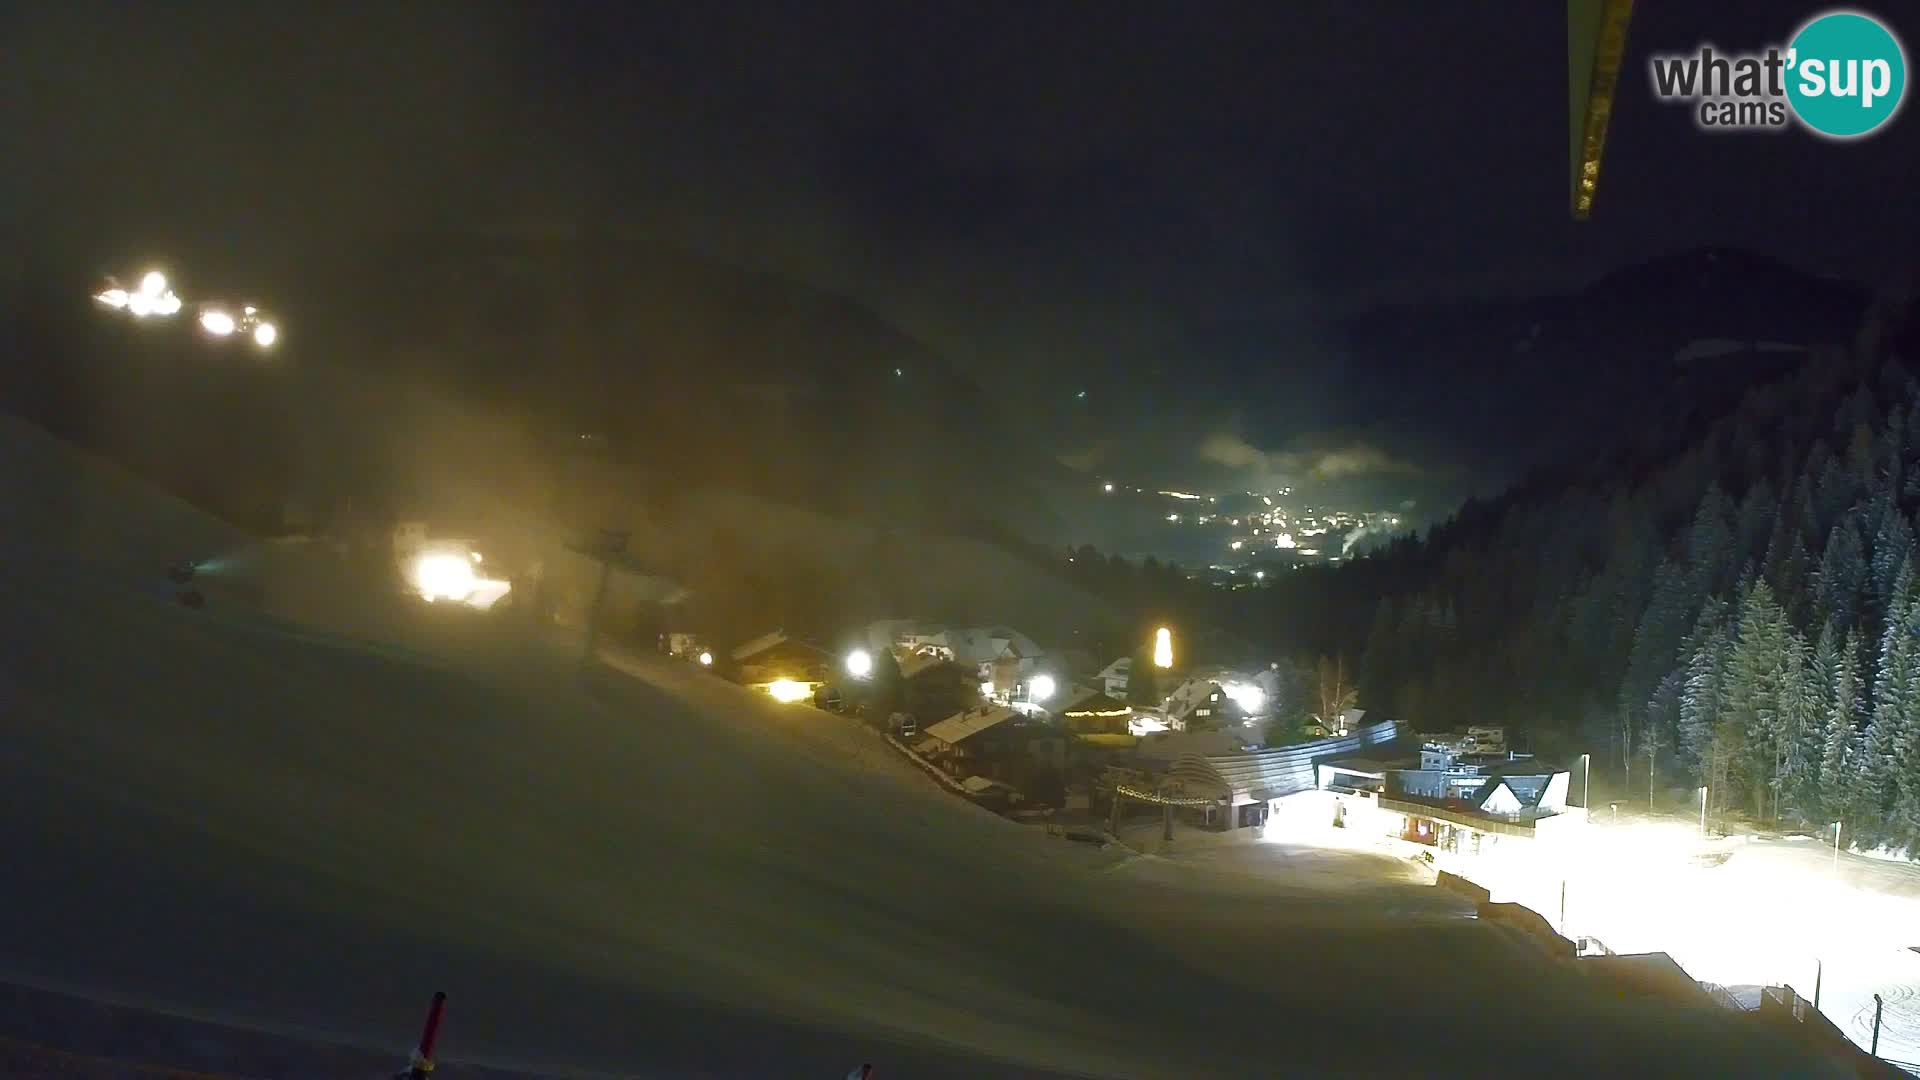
(706, 658)
(859, 663)
(1040, 688)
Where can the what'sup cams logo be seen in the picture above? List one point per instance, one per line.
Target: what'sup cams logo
(1841, 76)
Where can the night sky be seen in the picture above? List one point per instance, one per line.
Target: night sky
(1163, 205)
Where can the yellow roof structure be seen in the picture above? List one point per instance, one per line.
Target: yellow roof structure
(1596, 45)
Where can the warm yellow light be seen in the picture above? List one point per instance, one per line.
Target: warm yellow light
(443, 577)
(787, 690)
(1163, 648)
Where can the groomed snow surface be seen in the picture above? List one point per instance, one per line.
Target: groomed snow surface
(646, 872)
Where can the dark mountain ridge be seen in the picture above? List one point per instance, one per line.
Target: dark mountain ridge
(1660, 344)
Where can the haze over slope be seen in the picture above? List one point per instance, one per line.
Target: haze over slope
(657, 872)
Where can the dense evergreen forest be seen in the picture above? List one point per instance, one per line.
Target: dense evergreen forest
(1744, 614)
(1732, 601)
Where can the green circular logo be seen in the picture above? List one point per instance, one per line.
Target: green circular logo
(1847, 74)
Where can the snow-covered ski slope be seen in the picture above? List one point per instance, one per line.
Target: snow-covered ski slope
(648, 872)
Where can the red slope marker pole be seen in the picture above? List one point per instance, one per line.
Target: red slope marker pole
(421, 1064)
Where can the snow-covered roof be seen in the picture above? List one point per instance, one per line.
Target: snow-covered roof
(962, 726)
(1087, 700)
(1267, 774)
(918, 662)
(1190, 695)
(759, 645)
(1173, 745)
(978, 644)
(980, 785)
(1496, 796)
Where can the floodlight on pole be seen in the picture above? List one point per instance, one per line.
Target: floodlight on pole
(859, 663)
(1163, 648)
(1040, 688)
